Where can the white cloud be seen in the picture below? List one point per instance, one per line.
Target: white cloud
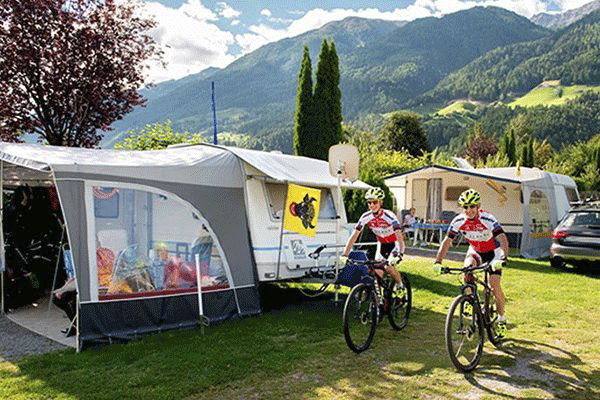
(191, 42)
(266, 12)
(226, 11)
(235, 22)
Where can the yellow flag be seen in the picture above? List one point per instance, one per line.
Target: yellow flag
(518, 170)
(302, 210)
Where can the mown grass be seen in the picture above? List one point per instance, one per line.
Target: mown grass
(296, 350)
(551, 95)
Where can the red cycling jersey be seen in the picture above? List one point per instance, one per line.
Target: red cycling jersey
(383, 224)
(480, 231)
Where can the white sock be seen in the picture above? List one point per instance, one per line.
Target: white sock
(501, 318)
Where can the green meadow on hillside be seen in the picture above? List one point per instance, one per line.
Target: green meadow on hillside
(296, 350)
(459, 106)
(551, 95)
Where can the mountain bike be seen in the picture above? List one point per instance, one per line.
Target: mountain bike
(370, 300)
(467, 318)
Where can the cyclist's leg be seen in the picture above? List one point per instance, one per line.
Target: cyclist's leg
(472, 259)
(385, 251)
(495, 277)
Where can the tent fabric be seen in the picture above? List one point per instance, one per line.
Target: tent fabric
(209, 178)
(72, 197)
(220, 168)
(172, 164)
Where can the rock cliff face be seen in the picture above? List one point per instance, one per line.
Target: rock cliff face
(559, 21)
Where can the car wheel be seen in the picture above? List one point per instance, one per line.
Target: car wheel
(557, 262)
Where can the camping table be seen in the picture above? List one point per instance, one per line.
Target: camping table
(424, 228)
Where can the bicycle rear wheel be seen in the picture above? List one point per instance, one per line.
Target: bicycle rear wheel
(360, 317)
(399, 303)
(491, 315)
(464, 333)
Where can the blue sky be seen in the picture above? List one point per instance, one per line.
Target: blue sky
(197, 34)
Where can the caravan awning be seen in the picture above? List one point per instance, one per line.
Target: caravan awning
(498, 174)
(192, 164)
(292, 169)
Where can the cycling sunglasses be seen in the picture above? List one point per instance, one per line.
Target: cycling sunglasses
(471, 206)
(372, 201)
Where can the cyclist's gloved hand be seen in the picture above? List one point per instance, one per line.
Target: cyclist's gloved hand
(395, 258)
(343, 261)
(437, 268)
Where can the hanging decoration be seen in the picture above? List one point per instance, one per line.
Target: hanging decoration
(104, 193)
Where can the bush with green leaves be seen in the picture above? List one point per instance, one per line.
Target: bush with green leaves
(157, 136)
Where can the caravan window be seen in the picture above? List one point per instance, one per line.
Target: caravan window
(153, 246)
(539, 215)
(276, 196)
(572, 195)
(453, 192)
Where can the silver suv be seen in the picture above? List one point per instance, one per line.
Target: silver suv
(576, 239)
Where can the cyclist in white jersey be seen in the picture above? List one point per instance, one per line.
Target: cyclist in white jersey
(487, 242)
(386, 227)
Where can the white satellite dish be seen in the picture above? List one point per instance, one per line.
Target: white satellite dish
(343, 161)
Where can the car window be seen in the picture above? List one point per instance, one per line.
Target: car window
(583, 218)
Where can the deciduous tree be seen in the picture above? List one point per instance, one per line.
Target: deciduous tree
(404, 130)
(69, 68)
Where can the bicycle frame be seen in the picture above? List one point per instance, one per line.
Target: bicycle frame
(470, 288)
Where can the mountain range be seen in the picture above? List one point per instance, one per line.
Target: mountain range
(561, 20)
(384, 66)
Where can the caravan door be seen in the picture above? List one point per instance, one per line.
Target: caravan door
(419, 197)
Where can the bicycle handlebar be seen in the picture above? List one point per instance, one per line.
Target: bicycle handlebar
(464, 270)
(372, 264)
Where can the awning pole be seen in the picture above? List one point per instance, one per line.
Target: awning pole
(337, 228)
(281, 230)
(199, 283)
(2, 258)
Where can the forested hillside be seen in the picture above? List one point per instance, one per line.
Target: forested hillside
(383, 65)
(576, 120)
(571, 55)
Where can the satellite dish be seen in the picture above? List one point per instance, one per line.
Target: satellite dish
(343, 161)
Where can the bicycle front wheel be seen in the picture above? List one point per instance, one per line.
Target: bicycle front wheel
(464, 333)
(360, 317)
(491, 315)
(399, 303)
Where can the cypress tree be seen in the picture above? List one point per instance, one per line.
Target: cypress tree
(505, 144)
(524, 155)
(322, 103)
(303, 118)
(530, 153)
(596, 159)
(512, 148)
(336, 97)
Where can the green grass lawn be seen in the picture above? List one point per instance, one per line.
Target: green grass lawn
(549, 96)
(296, 350)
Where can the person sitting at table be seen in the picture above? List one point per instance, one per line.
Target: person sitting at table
(408, 224)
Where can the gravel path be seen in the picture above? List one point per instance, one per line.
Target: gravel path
(17, 342)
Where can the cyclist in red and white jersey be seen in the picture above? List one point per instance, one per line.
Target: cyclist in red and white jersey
(487, 242)
(386, 227)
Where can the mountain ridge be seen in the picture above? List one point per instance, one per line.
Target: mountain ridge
(383, 64)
